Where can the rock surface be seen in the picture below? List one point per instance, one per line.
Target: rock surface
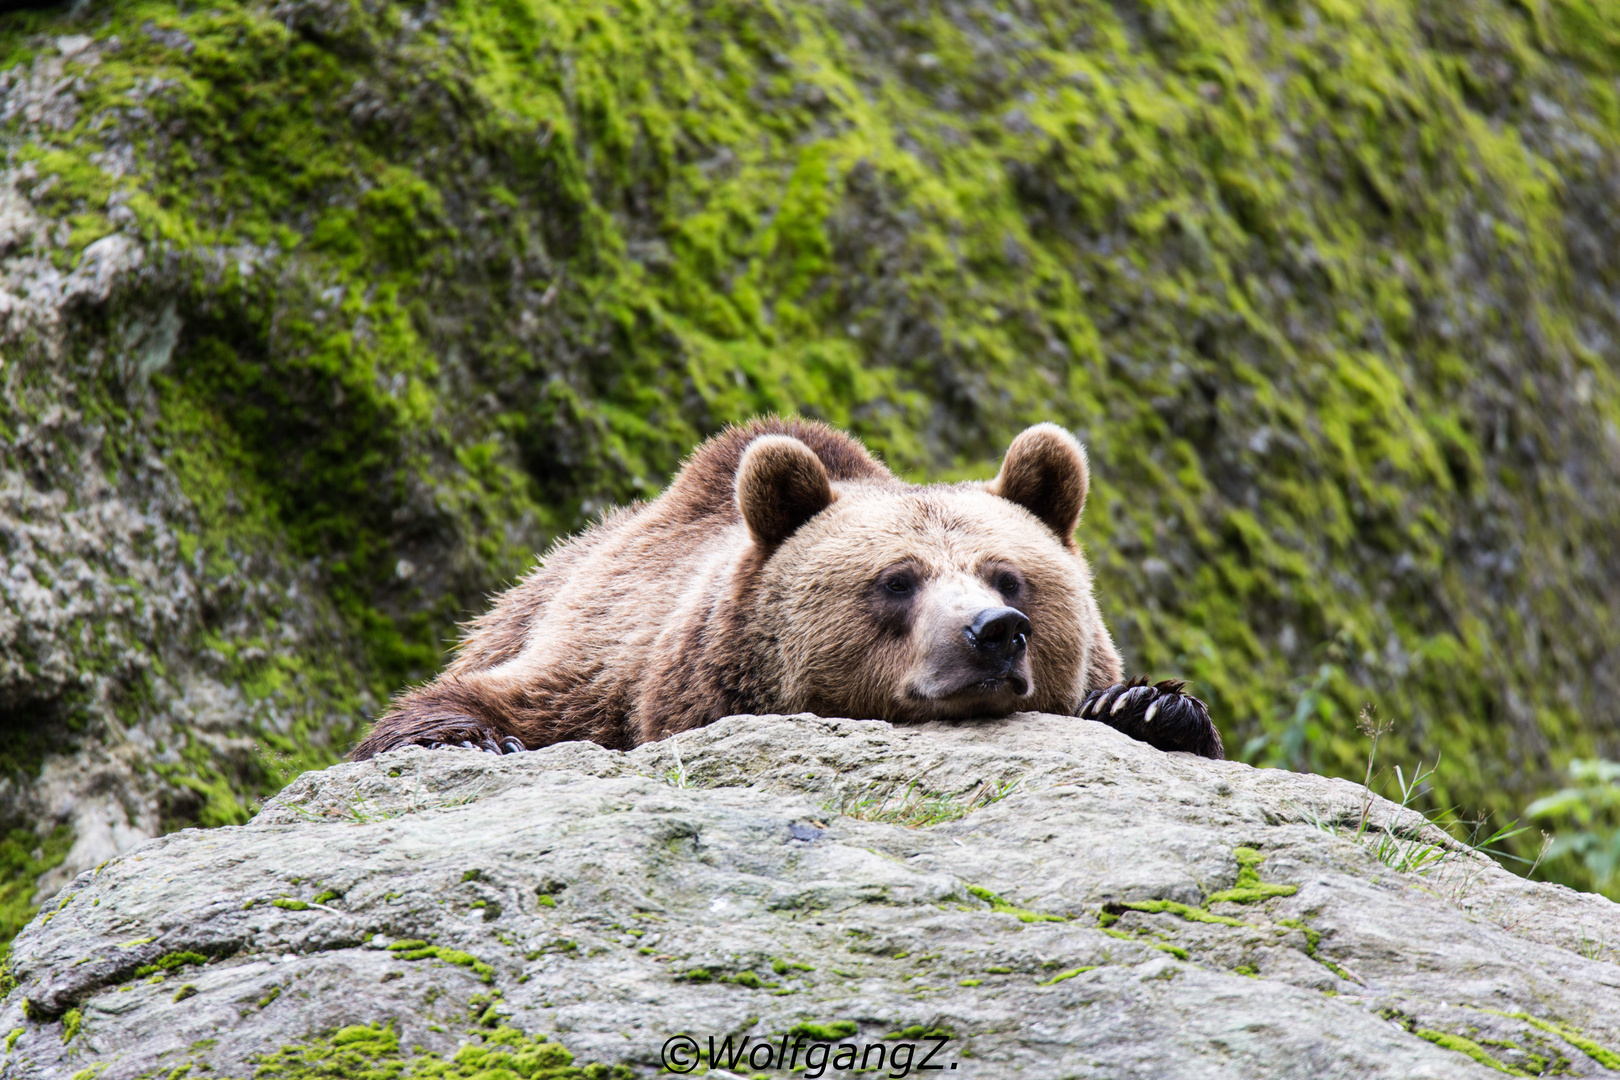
(767, 875)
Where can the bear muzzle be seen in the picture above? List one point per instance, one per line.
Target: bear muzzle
(1000, 639)
(984, 670)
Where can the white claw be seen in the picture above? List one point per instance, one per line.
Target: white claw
(1147, 717)
(1123, 699)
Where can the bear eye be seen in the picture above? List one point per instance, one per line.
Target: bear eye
(1008, 584)
(899, 585)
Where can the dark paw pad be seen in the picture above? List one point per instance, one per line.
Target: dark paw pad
(1158, 714)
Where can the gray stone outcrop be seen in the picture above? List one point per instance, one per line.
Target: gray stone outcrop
(1054, 898)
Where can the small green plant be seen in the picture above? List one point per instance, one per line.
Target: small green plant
(1414, 841)
(1592, 948)
(1589, 809)
(677, 777)
(916, 809)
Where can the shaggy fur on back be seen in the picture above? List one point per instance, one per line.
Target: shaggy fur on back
(785, 570)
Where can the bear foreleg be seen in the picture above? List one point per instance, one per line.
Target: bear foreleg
(1158, 714)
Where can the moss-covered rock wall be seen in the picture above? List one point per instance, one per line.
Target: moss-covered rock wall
(321, 318)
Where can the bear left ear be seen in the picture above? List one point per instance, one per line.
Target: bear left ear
(781, 484)
(1045, 472)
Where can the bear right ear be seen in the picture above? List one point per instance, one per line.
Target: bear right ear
(781, 484)
(1045, 472)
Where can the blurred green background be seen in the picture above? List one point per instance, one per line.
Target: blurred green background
(322, 317)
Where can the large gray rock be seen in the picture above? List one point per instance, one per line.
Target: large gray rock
(743, 880)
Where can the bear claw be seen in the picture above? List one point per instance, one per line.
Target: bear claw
(1160, 715)
(486, 743)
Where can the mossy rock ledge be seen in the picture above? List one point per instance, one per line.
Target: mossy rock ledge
(1050, 897)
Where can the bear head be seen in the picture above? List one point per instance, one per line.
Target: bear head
(881, 599)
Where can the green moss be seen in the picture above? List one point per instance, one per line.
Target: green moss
(373, 1053)
(1072, 972)
(421, 950)
(1312, 937)
(72, 1022)
(11, 1038)
(832, 1031)
(24, 856)
(1002, 907)
(327, 897)
(289, 905)
(1599, 1053)
(1171, 907)
(1467, 1047)
(1249, 888)
(171, 961)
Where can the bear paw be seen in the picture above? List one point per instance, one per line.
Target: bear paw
(487, 744)
(1159, 715)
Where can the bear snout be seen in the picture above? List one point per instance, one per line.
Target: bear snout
(975, 663)
(999, 633)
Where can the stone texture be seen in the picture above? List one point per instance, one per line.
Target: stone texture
(619, 899)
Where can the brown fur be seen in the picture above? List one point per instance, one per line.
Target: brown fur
(765, 580)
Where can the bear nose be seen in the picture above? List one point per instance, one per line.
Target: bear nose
(999, 633)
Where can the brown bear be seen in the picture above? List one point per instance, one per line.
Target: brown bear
(786, 570)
